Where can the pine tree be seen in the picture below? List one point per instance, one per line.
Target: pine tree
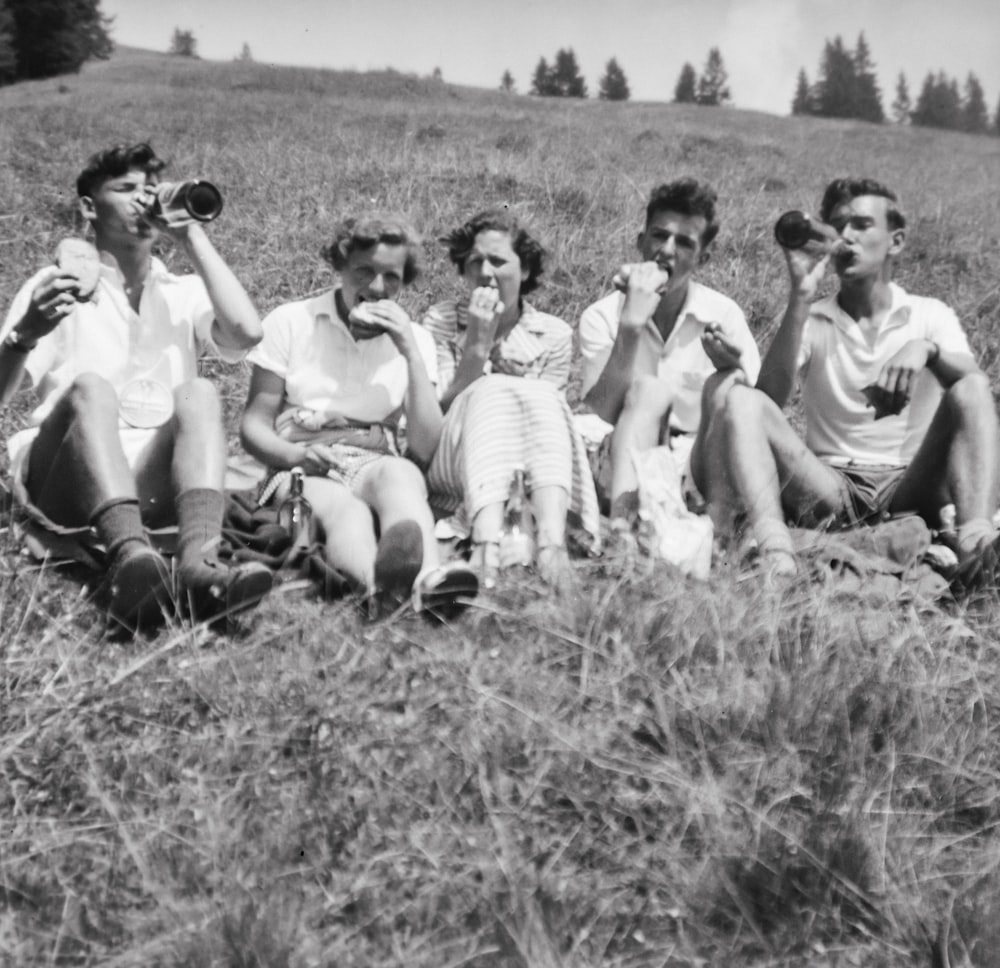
(835, 90)
(975, 117)
(901, 107)
(939, 104)
(996, 119)
(613, 85)
(245, 56)
(507, 82)
(8, 53)
(542, 81)
(685, 90)
(802, 103)
(867, 96)
(566, 75)
(712, 87)
(57, 36)
(183, 43)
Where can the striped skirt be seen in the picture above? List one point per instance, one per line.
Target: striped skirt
(501, 423)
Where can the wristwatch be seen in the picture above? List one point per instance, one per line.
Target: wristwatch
(16, 342)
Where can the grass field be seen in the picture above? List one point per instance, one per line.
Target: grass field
(654, 773)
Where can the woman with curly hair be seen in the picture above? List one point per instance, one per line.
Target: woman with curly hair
(331, 380)
(503, 368)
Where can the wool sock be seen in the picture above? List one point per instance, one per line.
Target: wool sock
(199, 524)
(118, 524)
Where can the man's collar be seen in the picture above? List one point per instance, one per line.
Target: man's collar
(111, 270)
(900, 304)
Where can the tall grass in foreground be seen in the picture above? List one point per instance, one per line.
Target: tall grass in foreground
(656, 772)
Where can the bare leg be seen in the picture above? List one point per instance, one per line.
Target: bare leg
(347, 530)
(394, 488)
(710, 456)
(76, 461)
(957, 460)
(78, 474)
(639, 427)
(774, 473)
(958, 463)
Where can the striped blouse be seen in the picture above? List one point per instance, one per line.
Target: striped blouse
(539, 347)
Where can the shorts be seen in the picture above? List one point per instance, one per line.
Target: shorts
(868, 492)
(350, 463)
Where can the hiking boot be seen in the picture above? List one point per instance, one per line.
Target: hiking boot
(140, 588)
(216, 591)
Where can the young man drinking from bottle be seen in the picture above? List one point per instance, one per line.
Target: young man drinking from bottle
(125, 433)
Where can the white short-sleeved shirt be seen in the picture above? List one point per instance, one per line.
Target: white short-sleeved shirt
(329, 372)
(680, 360)
(105, 336)
(838, 359)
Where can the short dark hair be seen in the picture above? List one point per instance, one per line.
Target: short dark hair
(842, 190)
(686, 196)
(114, 162)
(528, 249)
(362, 234)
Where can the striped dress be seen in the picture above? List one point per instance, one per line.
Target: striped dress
(516, 415)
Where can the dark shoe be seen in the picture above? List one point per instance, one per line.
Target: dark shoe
(445, 589)
(398, 560)
(216, 591)
(140, 589)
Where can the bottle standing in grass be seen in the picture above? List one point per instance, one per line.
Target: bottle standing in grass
(517, 539)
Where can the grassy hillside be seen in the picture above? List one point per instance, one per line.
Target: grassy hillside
(655, 772)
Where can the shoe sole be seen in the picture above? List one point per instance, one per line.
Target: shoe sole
(453, 593)
(140, 592)
(398, 560)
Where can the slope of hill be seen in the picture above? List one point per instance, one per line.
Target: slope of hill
(652, 772)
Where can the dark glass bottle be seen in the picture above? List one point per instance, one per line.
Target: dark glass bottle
(295, 512)
(795, 230)
(200, 199)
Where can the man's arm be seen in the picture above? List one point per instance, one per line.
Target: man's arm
(642, 295)
(237, 325)
(51, 300)
(777, 372)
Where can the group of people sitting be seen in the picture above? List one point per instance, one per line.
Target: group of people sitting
(389, 418)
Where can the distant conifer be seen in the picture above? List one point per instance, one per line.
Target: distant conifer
(542, 81)
(975, 116)
(802, 102)
(867, 96)
(507, 82)
(712, 85)
(53, 37)
(8, 53)
(614, 85)
(183, 43)
(566, 75)
(686, 89)
(902, 106)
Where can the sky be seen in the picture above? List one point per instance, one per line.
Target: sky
(763, 43)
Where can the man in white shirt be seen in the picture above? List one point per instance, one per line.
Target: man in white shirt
(899, 417)
(125, 432)
(649, 348)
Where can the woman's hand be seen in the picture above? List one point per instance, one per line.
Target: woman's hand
(317, 460)
(485, 309)
(384, 317)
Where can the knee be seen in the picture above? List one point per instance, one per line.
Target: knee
(743, 406)
(971, 395)
(90, 393)
(197, 399)
(399, 474)
(717, 388)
